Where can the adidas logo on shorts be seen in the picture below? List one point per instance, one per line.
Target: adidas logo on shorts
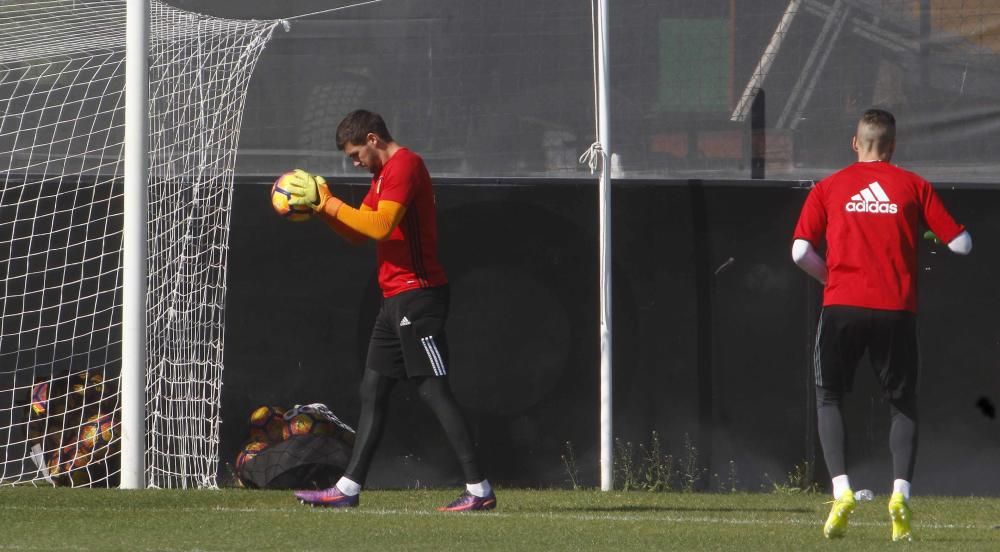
(871, 199)
(404, 322)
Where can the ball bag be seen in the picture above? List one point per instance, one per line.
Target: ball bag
(313, 461)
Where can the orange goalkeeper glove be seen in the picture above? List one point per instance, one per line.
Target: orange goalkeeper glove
(308, 189)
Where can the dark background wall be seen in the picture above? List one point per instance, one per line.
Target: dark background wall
(713, 329)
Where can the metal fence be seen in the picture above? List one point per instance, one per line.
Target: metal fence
(483, 88)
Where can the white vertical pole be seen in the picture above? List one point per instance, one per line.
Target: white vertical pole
(604, 138)
(136, 173)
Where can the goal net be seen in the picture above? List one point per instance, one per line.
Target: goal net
(62, 67)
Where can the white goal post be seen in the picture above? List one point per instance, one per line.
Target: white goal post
(135, 204)
(63, 232)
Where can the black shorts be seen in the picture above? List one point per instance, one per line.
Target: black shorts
(889, 337)
(408, 339)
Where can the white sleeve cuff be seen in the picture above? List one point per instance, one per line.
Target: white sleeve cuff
(962, 244)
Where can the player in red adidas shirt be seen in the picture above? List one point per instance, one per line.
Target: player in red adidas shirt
(408, 340)
(868, 215)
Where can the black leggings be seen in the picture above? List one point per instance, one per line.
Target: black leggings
(903, 435)
(436, 392)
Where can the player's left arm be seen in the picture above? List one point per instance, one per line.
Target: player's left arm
(346, 232)
(397, 188)
(811, 228)
(943, 228)
(806, 257)
(376, 224)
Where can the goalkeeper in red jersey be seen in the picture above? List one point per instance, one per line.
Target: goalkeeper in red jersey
(868, 216)
(408, 341)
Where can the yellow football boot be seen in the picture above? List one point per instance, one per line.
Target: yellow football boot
(899, 510)
(836, 524)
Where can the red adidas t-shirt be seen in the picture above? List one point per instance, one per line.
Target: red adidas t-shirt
(869, 215)
(408, 258)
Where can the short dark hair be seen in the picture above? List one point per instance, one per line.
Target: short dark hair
(356, 126)
(882, 127)
(879, 117)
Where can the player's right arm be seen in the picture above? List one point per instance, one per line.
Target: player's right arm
(810, 229)
(961, 244)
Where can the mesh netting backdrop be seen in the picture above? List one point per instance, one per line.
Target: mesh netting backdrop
(506, 88)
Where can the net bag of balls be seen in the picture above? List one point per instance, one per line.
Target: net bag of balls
(304, 447)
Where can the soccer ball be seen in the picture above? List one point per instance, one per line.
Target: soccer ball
(324, 422)
(306, 423)
(267, 424)
(51, 404)
(79, 384)
(96, 435)
(39, 398)
(68, 467)
(249, 450)
(279, 200)
(59, 466)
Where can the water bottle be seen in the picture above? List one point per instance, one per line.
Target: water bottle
(864, 495)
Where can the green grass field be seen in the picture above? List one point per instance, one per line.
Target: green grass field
(233, 519)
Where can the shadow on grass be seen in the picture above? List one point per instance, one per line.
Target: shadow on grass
(625, 508)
